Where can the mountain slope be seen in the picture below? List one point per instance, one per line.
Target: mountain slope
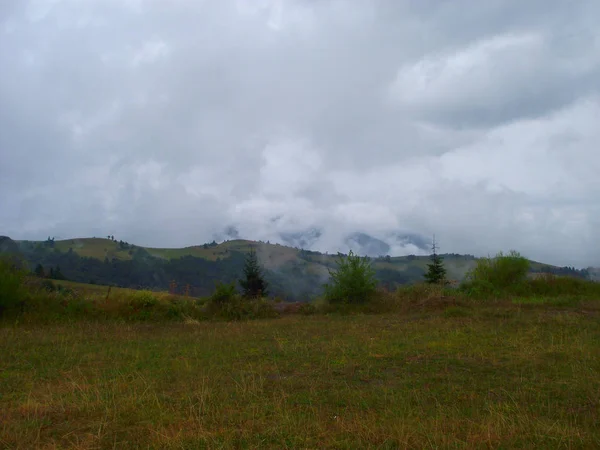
(293, 274)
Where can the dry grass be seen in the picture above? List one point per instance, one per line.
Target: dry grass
(450, 376)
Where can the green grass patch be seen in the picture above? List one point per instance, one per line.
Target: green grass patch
(529, 379)
(98, 248)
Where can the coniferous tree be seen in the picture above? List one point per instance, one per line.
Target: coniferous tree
(253, 285)
(39, 271)
(56, 274)
(436, 272)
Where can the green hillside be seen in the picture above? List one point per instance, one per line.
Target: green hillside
(272, 256)
(293, 274)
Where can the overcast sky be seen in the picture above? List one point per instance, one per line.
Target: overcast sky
(165, 121)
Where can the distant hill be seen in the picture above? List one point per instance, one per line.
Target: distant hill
(293, 273)
(8, 246)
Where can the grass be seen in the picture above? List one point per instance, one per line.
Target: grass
(51, 301)
(98, 248)
(500, 375)
(93, 290)
(550, 301)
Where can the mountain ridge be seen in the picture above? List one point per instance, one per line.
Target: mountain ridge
(294, 273)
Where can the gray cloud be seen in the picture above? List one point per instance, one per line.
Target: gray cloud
(164, 122)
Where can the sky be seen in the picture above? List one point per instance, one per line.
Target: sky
(163, 122)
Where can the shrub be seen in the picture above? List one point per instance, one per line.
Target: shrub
(12, 292)
(142, 300)
(353, 282)
(224, 293)
(490, 276)
(479, 289)
(226, 303)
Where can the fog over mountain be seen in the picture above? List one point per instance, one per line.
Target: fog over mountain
(326, 124)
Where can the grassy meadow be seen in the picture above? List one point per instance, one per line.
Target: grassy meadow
(443, 375)
(494, 364)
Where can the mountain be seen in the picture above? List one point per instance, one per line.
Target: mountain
(364, 244)
(415, 241)
(314, 238)
(294, 274)
(8, 246)
(301, 239)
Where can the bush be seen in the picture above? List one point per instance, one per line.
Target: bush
(226, 303)
(12, 292)
(224, 293)
(491, 276)
(353, 282)
(142, 300)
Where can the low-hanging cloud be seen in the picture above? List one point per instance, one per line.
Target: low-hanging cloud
(165, 122)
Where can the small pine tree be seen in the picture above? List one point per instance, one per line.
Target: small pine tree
(436, 272)
(254, 285)
(39, 271)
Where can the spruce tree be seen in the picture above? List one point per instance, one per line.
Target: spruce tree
(436, 273)
(39, 271)
(56, 274)
(254, 285)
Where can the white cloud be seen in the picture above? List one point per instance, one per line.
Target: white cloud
(162, 121)
(150, 52)
(549, 157)
(290, 167)
(493, 76)
(474, 76)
